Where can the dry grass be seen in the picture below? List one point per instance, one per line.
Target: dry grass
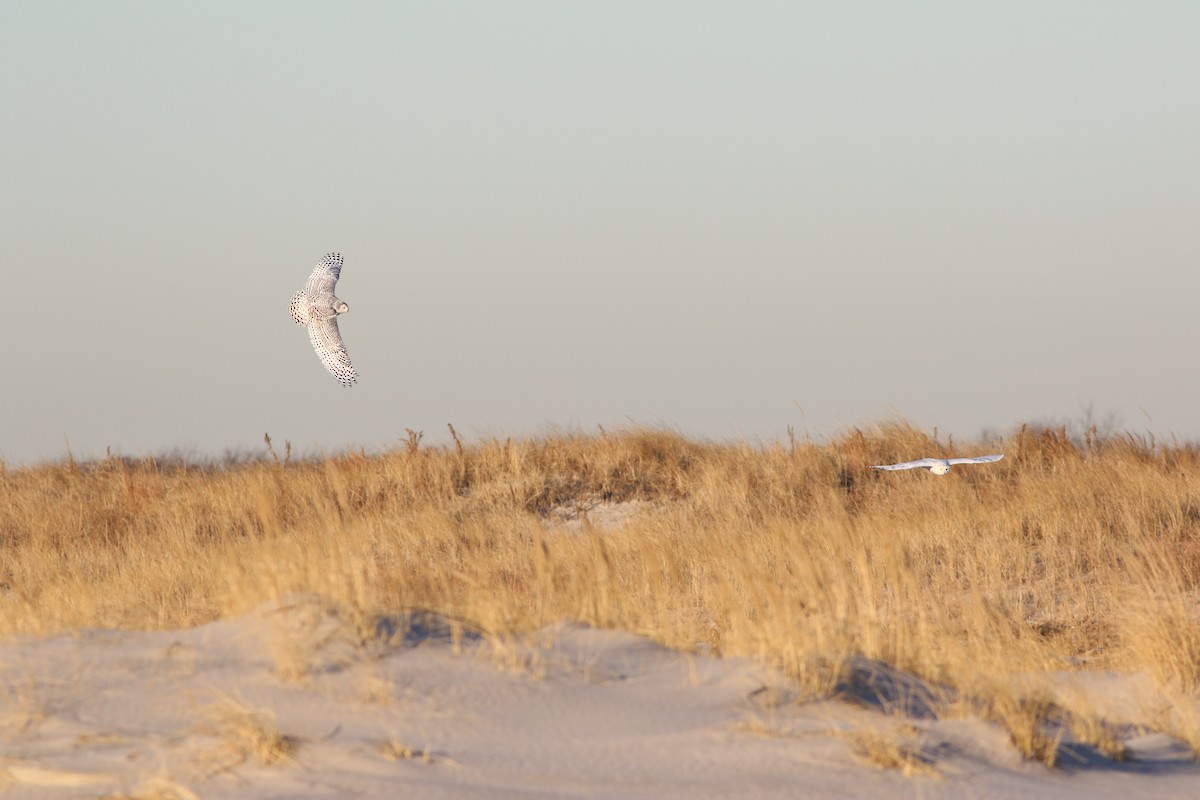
(898, 748)
(306, 634)
(244, 733)
(395, 750)
(1065, 554)
(1033, 722)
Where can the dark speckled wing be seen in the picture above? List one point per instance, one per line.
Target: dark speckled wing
(325, 275)
(327, 341)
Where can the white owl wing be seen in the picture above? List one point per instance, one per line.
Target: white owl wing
(325, 275)
(327, 341)
(299, 308)
(922, 462)
(976, 459)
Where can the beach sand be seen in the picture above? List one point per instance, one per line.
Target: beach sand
(293, 701)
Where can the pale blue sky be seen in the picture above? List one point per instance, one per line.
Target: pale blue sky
(726, 218)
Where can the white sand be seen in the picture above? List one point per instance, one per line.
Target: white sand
(578, 713)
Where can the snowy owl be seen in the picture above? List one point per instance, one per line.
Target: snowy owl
(938, 466)
(317, 309)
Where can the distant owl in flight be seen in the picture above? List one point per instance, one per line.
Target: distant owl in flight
(938, 466)
(317, 308)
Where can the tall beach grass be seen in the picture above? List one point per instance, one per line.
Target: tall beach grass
(1071, 553)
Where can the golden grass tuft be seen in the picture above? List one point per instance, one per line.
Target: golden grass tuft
(1070, 553)
(395, 750)
(898, 747)
(245, 733)
(1033, 722)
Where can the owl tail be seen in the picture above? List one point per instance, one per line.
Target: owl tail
(300, 308)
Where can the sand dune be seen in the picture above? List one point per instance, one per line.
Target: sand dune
(292, 701)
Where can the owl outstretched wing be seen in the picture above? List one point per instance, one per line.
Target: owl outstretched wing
(300, 308)
(976, 459)
(325, 275)
(924, 462)
(327, 341)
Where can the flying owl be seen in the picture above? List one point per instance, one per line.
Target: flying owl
(939, 466)
(317, 309)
